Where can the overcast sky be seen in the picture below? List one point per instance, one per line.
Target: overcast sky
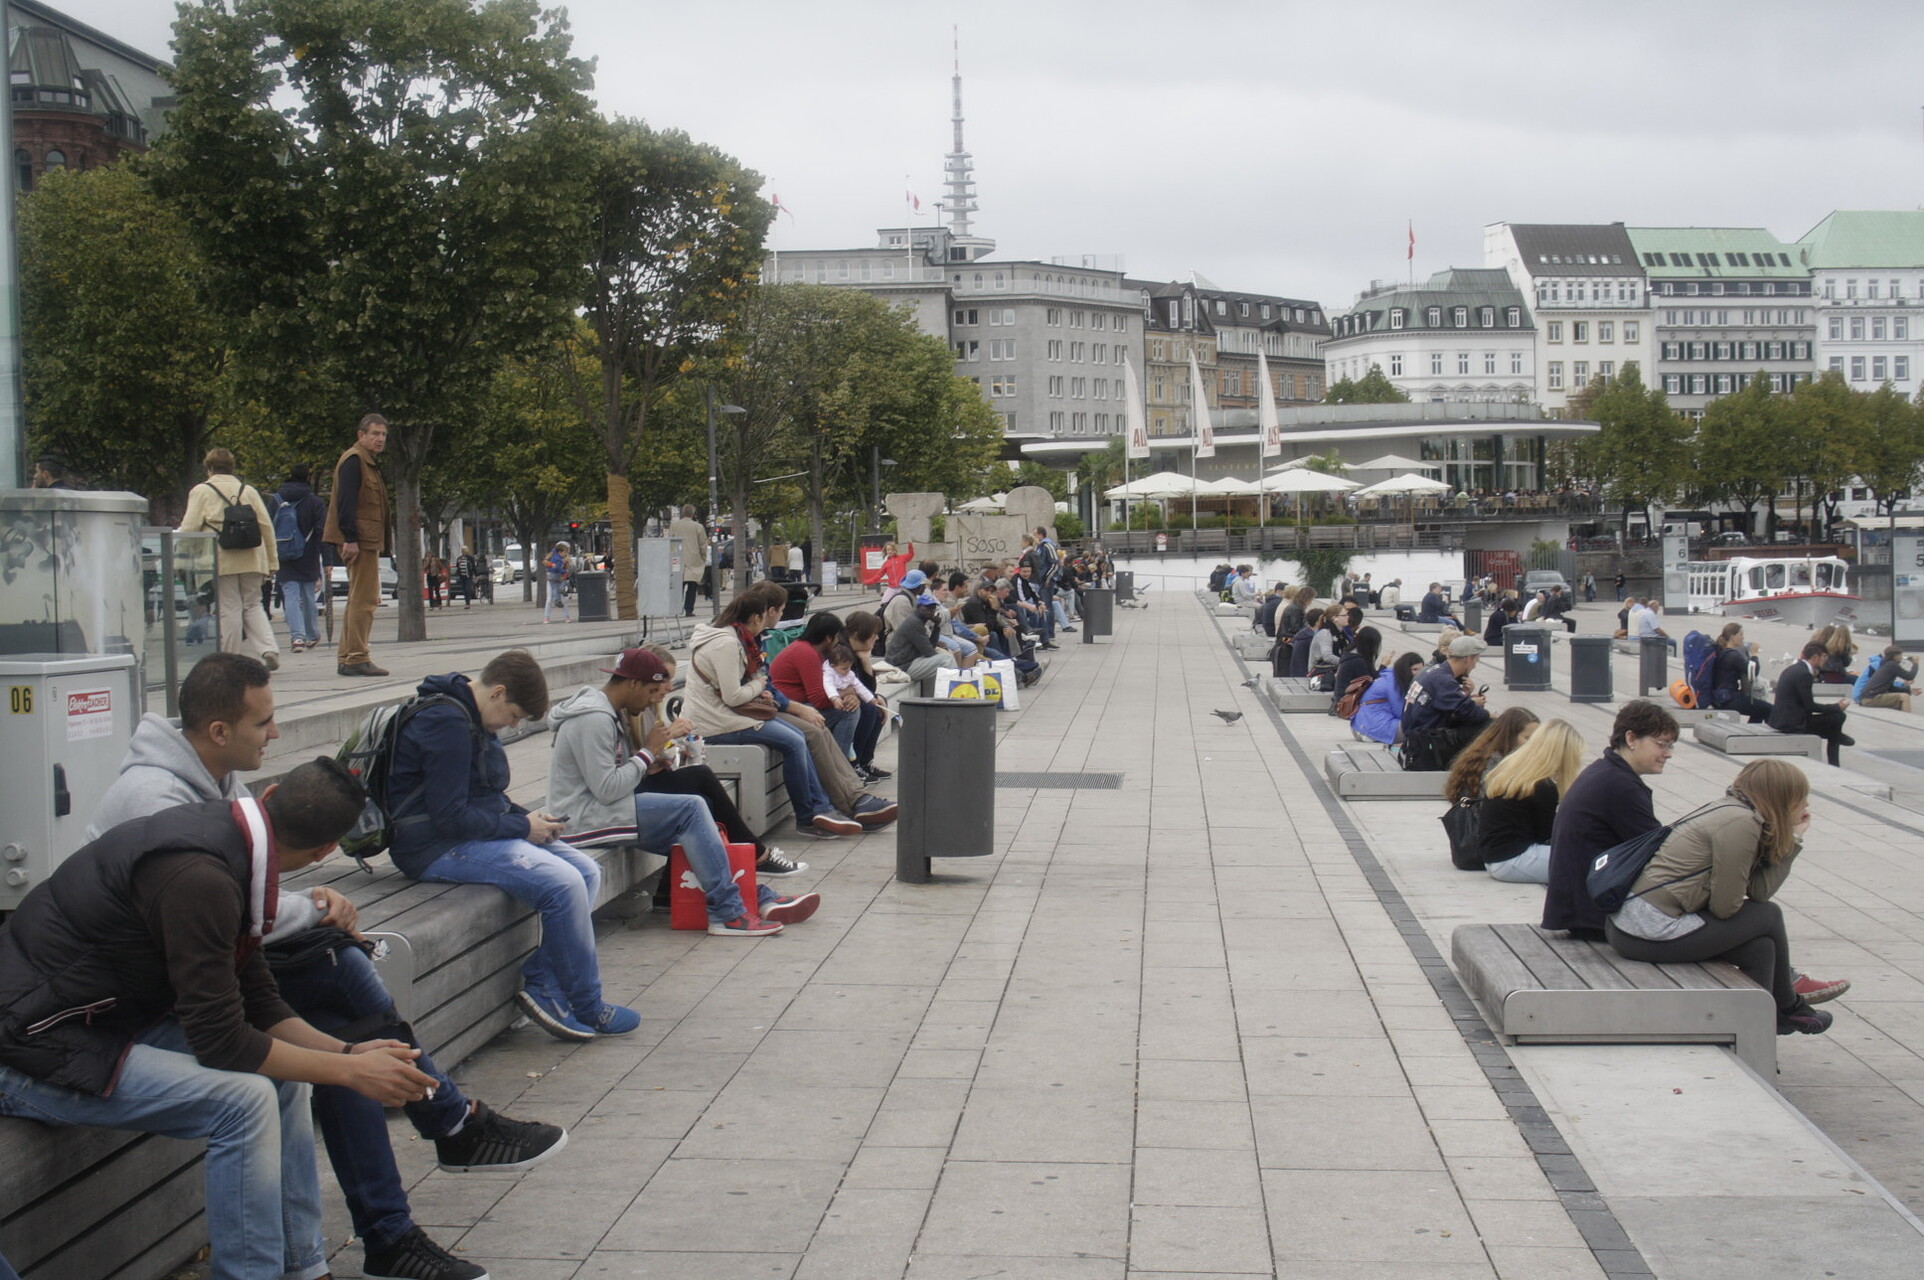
(1275, 147)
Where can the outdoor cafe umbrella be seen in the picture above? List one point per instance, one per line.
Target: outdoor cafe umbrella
(1395, 462)
(1411, 484)
(981, 505)
(1301, 480)
(1162, 484)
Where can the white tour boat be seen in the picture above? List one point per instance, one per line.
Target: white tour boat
(1806, 591)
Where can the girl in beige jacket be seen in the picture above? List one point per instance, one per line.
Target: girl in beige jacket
(244, 627)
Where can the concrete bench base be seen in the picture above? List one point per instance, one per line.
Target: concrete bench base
(755, 773)
(1292, 695)
(1735, 738)
(1370, 773)
(1252, 646)
(1540, 989)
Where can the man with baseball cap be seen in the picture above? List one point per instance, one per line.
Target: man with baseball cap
(595, 778)
(1443, 712)
(912, 647)
(898, 606)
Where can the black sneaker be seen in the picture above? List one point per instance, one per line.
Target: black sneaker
(492, 1142)
(1803, 1020)
(774, 862)
(874, 773)
(415, 1257)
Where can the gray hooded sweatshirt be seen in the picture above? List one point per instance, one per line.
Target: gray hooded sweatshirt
(162, 770)
(595, 771)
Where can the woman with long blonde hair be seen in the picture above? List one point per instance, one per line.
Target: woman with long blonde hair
(1520, 803)
(1839, 649)
(1706, 894)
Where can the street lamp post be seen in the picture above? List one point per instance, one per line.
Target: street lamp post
(876, 463)
(714, 499)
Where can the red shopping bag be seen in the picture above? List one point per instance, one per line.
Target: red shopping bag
(687, 905)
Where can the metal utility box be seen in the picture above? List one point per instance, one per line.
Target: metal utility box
(658, 566)
(63, 734)
(1590, 674)
(947, 783)
(1526, 657)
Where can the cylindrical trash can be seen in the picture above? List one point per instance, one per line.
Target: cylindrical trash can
(1526, 657)
(1473, 617)
(1590, 678)
(1653, 670)
(591, 595)
(1098, 613)
(1125, 585)
(946, 783)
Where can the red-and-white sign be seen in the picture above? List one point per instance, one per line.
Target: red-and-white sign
(90, 714)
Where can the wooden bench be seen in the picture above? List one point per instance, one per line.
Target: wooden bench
(1735, 738)
(1294, 695)
(1360, 772)
(755, 774)
(90, 1204)
(1541, 989)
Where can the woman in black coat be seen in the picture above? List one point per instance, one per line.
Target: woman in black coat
(1607, 804)
(1358, 662)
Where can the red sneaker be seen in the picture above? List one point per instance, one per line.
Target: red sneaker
(1816, 992)
(791, 910)
(744, 926)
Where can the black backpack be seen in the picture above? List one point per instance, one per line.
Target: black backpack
(240, 527)
(368, 754)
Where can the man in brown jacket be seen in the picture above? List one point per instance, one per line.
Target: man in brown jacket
(357, 528)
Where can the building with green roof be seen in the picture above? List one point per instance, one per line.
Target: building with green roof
(1867, 276)
(1728, 303)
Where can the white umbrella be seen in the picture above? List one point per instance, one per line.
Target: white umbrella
(1396, 462)
(1227, 487)
(1404, 484)
(982, 505)
(1303, 480)
(1163, 484)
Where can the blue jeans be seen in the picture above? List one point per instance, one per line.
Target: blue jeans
(856, 732)
(303, 616)
(561, 883)
(263, 1188)
(798, 771)
(1532, 866)
(663, 821)
(344, 994)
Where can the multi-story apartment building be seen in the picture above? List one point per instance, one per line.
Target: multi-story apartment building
(1587, 293)
(1464, 335)
(1727, 303)
(80, 98)
(1226, 331)
(1867, 296)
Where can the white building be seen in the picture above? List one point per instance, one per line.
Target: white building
(1588, 295)
(1465, 335)
(1867, 278)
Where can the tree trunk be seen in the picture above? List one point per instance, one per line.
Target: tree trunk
(407, 550)
(621, 528)
(817, 529)
(738, 506)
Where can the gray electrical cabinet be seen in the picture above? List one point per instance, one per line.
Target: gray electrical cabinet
(658, 577)
(64, 731)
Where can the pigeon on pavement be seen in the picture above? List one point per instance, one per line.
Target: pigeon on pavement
(1228, 717)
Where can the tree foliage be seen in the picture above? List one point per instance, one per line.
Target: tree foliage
(1373, 387)
(388, 196)
(1642, 450)
(1742, 446)
(1891, 446)
(123, 362)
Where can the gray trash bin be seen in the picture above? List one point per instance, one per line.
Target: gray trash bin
(1098, 613)
(1125, 585)
(946, 777)
(1590, 676)
(1526, 656)
(1473, 617)
(1653, 667)
(591, 596)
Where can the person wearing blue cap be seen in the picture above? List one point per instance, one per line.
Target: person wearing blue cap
(912, 647)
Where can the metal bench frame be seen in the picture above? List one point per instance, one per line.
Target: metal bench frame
(1368, 772)
(1736, 738)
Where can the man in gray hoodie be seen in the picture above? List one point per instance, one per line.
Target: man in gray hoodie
(226, 722)
(595, 778)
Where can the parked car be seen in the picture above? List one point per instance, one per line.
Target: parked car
(337, 580)
(1535, 580)
(1730, 538)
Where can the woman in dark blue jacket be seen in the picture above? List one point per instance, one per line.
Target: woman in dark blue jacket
(1607, 805)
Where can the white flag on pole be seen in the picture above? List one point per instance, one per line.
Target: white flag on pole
(1203, 431)
(1133, 416)
(1272, 427)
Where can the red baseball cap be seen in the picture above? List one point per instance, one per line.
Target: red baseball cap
(639, 664)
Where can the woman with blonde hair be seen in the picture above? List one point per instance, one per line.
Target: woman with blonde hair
(1706, 893)
(1520, 803)
(1468, 772)
(1839, 649)
(249, 554)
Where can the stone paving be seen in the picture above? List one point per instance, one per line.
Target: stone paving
(1193, 1026)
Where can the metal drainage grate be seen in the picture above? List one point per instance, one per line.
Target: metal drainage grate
(1061, 781)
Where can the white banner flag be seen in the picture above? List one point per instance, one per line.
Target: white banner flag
(1133, 418)
(1266, 418)
(1202, 430)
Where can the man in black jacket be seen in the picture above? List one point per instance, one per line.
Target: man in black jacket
(134, 995)
(1796, 709)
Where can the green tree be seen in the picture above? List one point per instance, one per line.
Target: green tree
(1740, 447)
(1372, 388)
(1034, 473)
(1891, 447)
(123, 361)
(676, 232)
(1827, 426)
(389, 196)
(1641, 453)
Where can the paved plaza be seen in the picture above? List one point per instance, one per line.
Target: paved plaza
(1190, 1019)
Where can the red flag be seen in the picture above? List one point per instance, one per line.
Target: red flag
(776, 200)
(1412, 254)
(914, 201)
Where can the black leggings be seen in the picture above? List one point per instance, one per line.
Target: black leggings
(700, 780)
(1753, 940)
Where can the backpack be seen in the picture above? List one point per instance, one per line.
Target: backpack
(240, 528)
(289, 541)
(1699, 664)
(368, 754)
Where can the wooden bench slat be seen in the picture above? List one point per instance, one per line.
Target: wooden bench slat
(1547, 968)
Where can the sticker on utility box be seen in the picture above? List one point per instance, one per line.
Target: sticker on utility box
(1523, 649)
(90, 714)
